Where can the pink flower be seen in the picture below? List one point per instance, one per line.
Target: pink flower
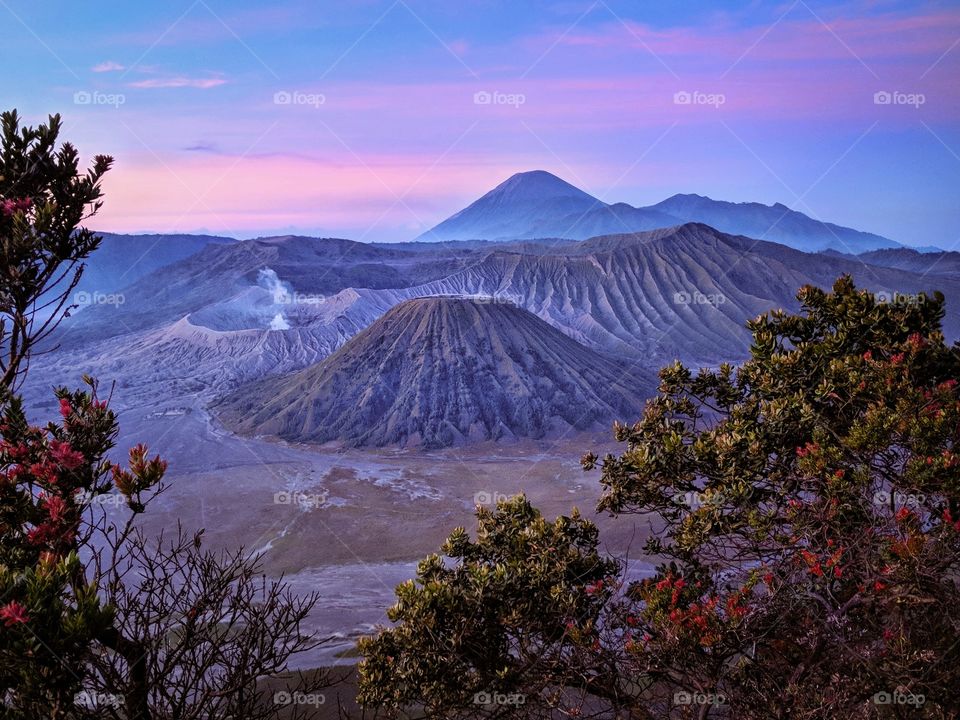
(64, 455)
(12, 205)
(13, 613)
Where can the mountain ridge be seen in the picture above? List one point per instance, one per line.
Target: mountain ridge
(528, 205)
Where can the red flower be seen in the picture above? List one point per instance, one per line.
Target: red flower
(40, 534)
(594, 587)
(64, 455)
(902, 514)
(65, 407)
(868, 355)
(878, 586)
(13, 613)
(56, 507)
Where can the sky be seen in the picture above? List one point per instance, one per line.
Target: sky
(376, 119)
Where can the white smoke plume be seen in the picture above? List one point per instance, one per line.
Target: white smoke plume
(279, 322)
(268, 279)
(282, 295)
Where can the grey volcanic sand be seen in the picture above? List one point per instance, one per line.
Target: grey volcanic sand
(352, 524)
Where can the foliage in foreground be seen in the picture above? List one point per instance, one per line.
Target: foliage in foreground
(810, 510)
(97, 621)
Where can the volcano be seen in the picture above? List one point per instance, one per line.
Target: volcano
(442, 371)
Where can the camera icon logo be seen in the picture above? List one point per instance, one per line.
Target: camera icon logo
(282, 97)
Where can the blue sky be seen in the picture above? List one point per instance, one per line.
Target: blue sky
(386, 131)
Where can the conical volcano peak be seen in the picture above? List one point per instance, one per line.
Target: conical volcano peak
(538, 185)
(444, 370)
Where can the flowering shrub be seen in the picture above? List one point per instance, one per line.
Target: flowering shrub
(48, 477)
(822, 573)
(73, 578)
(829, 566)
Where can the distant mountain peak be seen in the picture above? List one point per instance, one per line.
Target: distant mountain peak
(538, 204)
(686, 196)
(538, 185)
(524, 198)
